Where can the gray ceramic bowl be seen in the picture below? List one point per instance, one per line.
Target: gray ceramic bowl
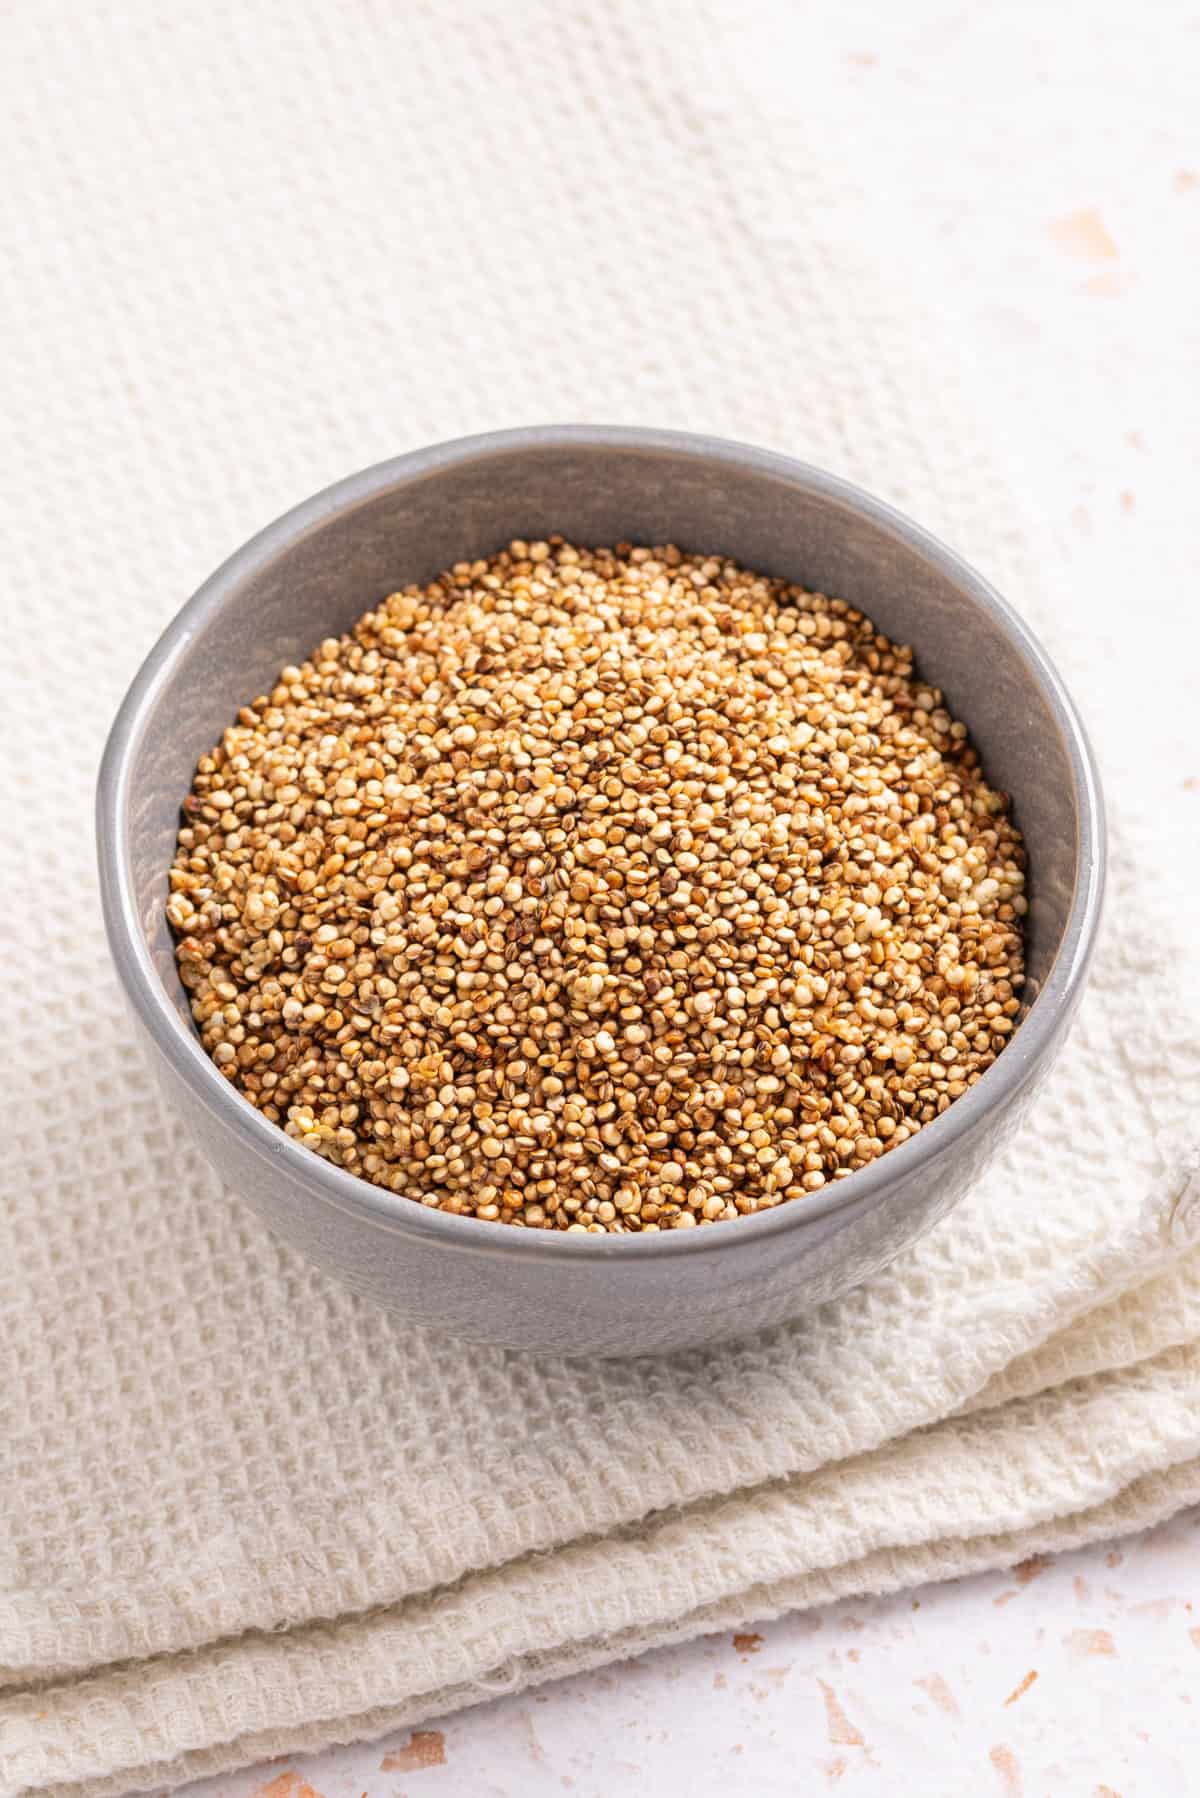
(312, 573)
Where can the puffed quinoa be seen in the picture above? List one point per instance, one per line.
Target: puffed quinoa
(607, 890)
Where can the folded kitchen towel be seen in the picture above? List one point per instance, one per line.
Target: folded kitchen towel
(1093, 1458)
(244, 1512)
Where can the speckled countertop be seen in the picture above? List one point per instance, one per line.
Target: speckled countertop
(1044, 162)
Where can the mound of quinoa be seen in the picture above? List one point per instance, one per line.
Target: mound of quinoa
(606, 890)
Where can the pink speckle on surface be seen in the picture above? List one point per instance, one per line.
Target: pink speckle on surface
(939, 1691)
(842, 1733)
(532, 1741)
(1020, 1690)
(286, 1785)
(1005, 1763)
(424, 1748)
(1085, 236)
(1090, 1641)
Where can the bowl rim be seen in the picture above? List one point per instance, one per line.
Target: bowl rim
(996, 1088)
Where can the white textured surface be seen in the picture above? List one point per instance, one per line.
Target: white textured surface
(260, 254)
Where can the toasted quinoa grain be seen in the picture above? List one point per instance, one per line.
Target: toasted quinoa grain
(600, 890)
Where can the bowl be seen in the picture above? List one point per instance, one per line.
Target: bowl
(311, 574)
